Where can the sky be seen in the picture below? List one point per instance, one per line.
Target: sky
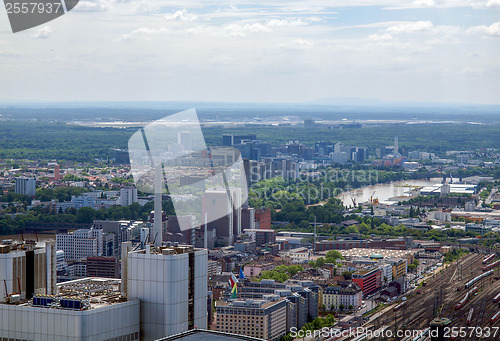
(248, 51)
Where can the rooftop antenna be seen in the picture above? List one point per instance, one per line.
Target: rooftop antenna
(314, 246)
(205, 237)
(155, 238)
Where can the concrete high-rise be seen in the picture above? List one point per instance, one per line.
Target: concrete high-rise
(171, 284)
(25, 186)
(128, 195)
(27, 270)
(222, 215)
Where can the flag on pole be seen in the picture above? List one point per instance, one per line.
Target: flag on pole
(242, 275)
(234, 286)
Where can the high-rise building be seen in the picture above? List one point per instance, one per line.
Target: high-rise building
(171, 284)
(174, 233)
(57, 173)
(27, 270)
(184, 139)
(263, 218)
(107, 267)
(128, 195)
(222, 215)
(396, 145)
(264, 319)
(25, 186)
(80, 244)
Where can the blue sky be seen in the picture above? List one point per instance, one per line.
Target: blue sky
(274, 51)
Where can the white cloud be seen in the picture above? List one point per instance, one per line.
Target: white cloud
(285, 22)
(241, 30)
(296, 44)
(147, 30)
(142, 31)
(181, 15)
(493, 4)
(411, 27)
(91, 6)
(42, 33)
(491, 30)
(380, 37)
(471, 71)
(476, 4)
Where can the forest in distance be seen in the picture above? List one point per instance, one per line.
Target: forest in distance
(63, 141)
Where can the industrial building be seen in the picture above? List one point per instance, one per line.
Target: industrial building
(171, 284)
(26, 270)
(84, 309)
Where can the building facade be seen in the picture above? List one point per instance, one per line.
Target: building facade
(369, 279)
(171, 283)
(256, 318)
(25, 186)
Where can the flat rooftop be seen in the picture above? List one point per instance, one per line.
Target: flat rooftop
(386, 253)
(88, 293)
(207, 335)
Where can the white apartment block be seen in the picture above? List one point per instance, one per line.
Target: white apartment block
(80, 244)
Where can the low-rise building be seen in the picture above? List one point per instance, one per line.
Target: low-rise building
(346, 294)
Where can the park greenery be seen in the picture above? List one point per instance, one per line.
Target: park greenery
(331, 258)
(281, 273)
(317, 324)
(454, 254)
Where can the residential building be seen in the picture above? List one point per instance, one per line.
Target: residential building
(25, 186)
(399, 266)
(128, 195)
(346, 294)
(262, 236)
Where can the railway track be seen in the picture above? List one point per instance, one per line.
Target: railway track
(440, 296)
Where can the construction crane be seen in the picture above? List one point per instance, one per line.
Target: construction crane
(371, 198)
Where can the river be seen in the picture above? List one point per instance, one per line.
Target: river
(41, 237)
(383, 192)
